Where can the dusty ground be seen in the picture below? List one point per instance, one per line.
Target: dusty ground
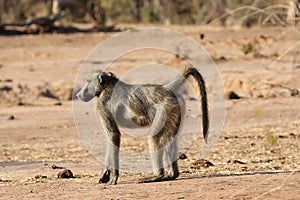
(256, 157)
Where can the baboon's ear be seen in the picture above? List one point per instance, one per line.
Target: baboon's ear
(100, 78)
(109, 74)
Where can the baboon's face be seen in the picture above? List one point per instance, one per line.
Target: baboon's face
(91, 88)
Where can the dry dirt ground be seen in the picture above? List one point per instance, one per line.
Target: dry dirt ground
(257, 155)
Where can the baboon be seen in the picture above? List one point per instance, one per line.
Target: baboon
(152, 105)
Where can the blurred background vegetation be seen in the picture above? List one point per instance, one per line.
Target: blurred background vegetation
(220, 12)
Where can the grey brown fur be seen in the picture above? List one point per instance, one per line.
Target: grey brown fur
(150, 105)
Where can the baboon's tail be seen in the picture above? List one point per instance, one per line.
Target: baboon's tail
(175, 84)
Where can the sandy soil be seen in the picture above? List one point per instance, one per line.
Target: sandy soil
(256, 157)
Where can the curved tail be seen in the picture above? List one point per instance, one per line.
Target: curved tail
(175, 84)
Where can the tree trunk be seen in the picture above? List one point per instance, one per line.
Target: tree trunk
(59, 5)
(99, 12)
(293, 14)
(55, 8)
(167, 9)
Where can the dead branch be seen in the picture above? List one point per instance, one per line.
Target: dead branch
(47, 24)
(252, 10)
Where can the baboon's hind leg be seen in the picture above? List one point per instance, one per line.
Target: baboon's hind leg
(172, 157)
(171, 148)
(156, 156)
(156, 136)
(163, 131)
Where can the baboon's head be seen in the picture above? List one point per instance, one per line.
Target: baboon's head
(95, 82)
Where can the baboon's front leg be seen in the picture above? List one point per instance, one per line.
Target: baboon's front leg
(105, 176)
(110, 173)
(114, 158)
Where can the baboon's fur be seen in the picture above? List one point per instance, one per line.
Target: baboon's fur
(156, 106)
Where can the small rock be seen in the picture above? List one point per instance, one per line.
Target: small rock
(11, 117)
(201, 163)
(239, 162)
(39, 176)
(66, 173)
(244, 168)
(8, 80)
(259, 55)
(283, 136)
(292, 134)
(5, 181)
(263, 37)
(48, 94)
(202, 36)
(56, 167)
(273, 151)
(222, 58)
(236, 162)
(58, 104)
(20, 103)
(295, 92)
(277, 167)
(6, 88)
(232, 95)
(185, 172)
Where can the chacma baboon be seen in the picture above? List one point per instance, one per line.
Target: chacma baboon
(152, 105)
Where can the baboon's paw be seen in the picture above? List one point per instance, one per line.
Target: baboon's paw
(111, 182)
(105, 177)
(150, 179)
(169, 178)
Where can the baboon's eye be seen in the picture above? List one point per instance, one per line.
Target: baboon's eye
(173, 101)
